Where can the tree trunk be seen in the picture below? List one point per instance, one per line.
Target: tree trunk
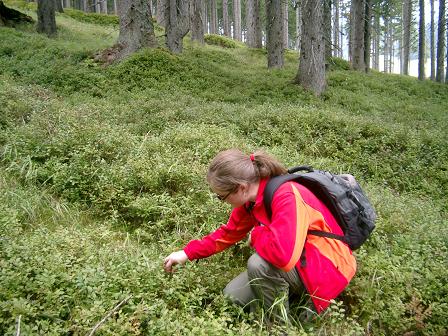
(358, 35)
(386, 44)
(285, 8)
(9, 17)
(197, 26)
(298, 9)
(97, 6)
(327, 28)
(391, 46)
(67, 4)
(46, 21)
(254, 38)
(351, 18)
(136, 28)
(274, 33)
(225, 17)
(58, 6)
(237, 20)
(103, 6)
(446, 73)
(205, 17)
(441, 42)
(115, 7)
(375, 41)
(407, 13)
(311, 74)
(367, 34)
(336, 28)
(161, 12)
(213, 17)
(421, 41)
(432, 43)
(177, 24)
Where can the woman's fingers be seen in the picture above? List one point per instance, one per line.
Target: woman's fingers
(174, 258)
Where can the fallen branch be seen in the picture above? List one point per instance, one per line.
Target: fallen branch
(18, 325)
(10, 17)
(108, 315)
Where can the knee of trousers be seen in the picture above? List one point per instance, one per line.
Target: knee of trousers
(257, 267)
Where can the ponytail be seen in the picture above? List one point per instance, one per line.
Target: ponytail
(231, 168)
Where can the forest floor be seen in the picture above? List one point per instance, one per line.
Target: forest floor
(103, 174)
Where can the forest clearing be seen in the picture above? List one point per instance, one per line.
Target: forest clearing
(103, 174)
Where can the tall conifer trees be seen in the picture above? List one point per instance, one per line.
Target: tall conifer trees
(421, 41)
(311, 74)
(441, 42)
(274, 33)
(358, 24)
(46, 22)
(136, 28)
(177, 22)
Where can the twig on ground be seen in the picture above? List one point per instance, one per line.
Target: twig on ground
(18, 325)
(109, 314)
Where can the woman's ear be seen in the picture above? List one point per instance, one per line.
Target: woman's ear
(244, 188)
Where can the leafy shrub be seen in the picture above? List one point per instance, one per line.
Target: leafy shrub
(94, 18)
(221, 41)
(336, 63)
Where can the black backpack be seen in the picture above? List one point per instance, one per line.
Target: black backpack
(341, 194)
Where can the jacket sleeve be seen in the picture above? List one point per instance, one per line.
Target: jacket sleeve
(281, 242)
(239, 224)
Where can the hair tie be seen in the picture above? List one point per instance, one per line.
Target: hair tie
(252, 157)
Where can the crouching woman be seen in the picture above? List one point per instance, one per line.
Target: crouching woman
(287, 262)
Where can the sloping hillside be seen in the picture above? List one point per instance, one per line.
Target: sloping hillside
(103, 175)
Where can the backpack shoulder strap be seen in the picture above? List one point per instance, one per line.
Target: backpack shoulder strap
(275, 182)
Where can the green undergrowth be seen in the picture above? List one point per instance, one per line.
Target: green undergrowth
(102, 175)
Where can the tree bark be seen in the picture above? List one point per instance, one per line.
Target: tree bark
(446, 54)
(225, 17)
(298, 9)
(177, 24)
(254, 37)
(274, 33)
(285, 8)
(421, 41)
(311, 74)
(432, 43)
(351, 18)
(205, 17)
(213, 17)
(136, 28)
(9, 17)
(367, 34)
(336, 28)
(46, 21)
(197, 26)
(441, 42)
(58, 6)
(386, 44)
(103, 6)
(327, 28)
(161, 10)
(237, 20)
(407, 13)
(358, 35)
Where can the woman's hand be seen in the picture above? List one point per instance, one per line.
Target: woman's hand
(178, 257)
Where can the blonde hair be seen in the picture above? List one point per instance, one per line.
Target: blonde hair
(231, 168)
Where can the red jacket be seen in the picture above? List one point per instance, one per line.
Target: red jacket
(329, 264)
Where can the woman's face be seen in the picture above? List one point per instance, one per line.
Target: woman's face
(236, 198)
